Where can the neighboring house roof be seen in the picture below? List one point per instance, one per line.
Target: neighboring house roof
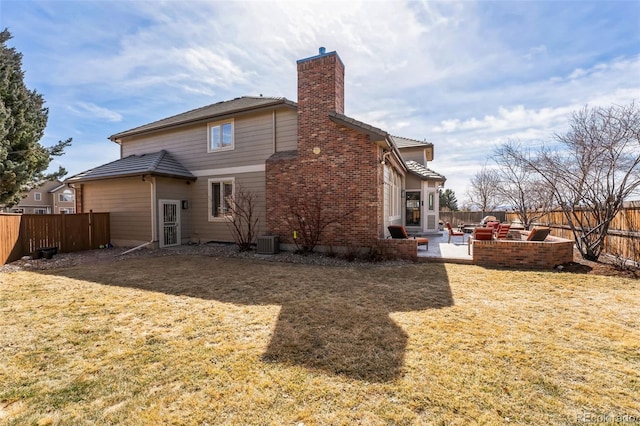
(58, 188)
(155, 164)
(408, 143)
(423, 172)
(206, 113)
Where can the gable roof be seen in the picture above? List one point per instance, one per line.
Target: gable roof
(155, 164)
(358, 125)
(409, 143)
(423, 172)
(206, 113)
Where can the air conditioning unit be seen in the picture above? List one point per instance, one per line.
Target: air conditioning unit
(268, 244)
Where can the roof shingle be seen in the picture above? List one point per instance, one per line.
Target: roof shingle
(234, 106)
(423, 172)
(156, 164)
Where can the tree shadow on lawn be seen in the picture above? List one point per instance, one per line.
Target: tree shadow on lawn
(333, 319)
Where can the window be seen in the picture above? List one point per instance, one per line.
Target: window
(393, 194)
(40, 211)
(37, 196)
(66, 196)
(67, 211)
(220, 136)
(220, 196)
(413, 203)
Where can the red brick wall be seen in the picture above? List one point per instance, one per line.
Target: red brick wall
(402, 249)
(333, 165)
(529, 254)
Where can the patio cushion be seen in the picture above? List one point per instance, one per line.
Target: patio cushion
(538, 234)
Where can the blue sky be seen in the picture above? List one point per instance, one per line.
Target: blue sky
(465, 75)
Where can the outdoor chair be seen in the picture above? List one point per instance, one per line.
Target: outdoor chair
(453, 233)
(538, 234)
(502, 231)
(400, 232)
(493, 224)
(481, 234)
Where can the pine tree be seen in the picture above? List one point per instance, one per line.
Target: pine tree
(23, 118)
(448, 200)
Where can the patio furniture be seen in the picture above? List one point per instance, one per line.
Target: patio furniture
(486, 219)
(400, 232)
(492, 224)
(538, 234)
(502, 231)
(453, 233)
(483, 234)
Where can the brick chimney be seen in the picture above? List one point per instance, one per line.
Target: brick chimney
(320, 91)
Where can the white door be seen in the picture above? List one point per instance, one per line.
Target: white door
(170, 215)
(430, 209)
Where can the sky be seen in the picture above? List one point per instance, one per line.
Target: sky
(463, 75)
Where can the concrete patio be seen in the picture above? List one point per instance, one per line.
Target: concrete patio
(442, 251)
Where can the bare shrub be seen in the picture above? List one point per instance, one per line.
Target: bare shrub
(244, 219)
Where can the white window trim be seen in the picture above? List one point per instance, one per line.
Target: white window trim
(210, 197)
(37, 196)
(395, 195)
(233, 135)
(62, 194)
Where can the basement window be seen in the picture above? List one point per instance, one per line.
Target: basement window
(220, 136)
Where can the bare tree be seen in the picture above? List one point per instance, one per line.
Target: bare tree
(519, 186)
(484, 193)
(593, 169)
(244, 218)
(309, 217)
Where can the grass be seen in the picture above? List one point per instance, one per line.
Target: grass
(202, 340)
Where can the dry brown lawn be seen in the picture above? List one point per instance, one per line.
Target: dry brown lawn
(200, 340)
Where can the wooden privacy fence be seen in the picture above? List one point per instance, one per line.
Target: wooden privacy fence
(468, 217)
(623, 237)
(22, 235)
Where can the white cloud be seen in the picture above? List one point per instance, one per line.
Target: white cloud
(87, 109)
(464, 75)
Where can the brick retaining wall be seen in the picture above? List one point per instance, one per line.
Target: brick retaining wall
(401, 249)
(528, 254)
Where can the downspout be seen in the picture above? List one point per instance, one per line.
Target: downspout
(273, 129)
(151, 182)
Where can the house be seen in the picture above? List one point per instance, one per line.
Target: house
(175, 176)
(51, 197)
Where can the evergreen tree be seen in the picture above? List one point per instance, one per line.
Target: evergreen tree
(23, 118)
(448, 200)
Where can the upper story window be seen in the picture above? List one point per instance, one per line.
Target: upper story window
(220, 136)
(66, 196)
(37, 196)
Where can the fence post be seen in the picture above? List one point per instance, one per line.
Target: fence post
(63, 234)
(91, 230)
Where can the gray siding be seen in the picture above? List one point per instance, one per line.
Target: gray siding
(201, 229)
(253, 142)
(414, 154)
(129, 203)
(286, 130)
(412, 182)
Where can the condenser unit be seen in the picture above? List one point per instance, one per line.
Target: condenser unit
(268, 244)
